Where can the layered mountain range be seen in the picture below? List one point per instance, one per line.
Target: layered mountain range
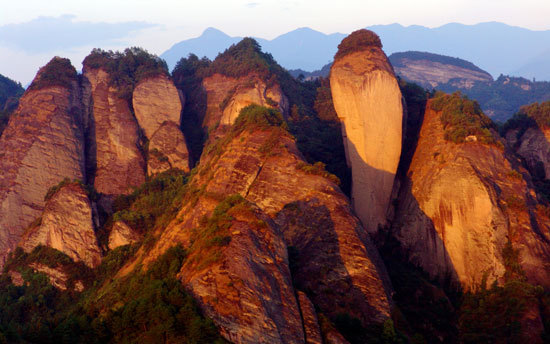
(230, 202)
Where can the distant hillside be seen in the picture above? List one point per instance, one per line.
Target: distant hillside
(430, 70)
(500, 99)
(301, 48)
(323, 72)
(495, 47)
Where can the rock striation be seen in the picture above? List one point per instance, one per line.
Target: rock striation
(368, 102)
(227, 96)
(331, 256)
(167, 149)
(42, 144)
(113, 136)
(460, 205)
(67, 225)
(156, 100)
(158, 105)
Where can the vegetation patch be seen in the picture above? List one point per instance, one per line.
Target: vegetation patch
(126, 69)
(89, 189)
(58, 72)
(154, 203)
(358, 41)
(318, 168)
(213, 231)
(462, 117)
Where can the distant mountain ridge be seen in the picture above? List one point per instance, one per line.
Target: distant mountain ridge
(495, 47)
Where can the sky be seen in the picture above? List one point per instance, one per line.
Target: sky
(33, 31)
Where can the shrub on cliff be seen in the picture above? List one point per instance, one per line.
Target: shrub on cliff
(533, 115)
(462, 117)
(357, 41)
(126, 68)
(58, 72)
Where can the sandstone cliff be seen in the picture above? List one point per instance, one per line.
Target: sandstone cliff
(158, 105)
(533, 145)
(368, 102)
(156, 100)
(121, 234)
(67, 225)
(42, 144)
(332, 257)
(226, 96)
(460, 204)
(113, 136)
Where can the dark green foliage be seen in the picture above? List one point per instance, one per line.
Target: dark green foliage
(10, 92)
(126, 69)
(154, 203)
(53, 259)
(58, 72)
(144, 307)
(9, 89)
(358, 41)
(462, 117)
(503, 97)
(536, 115)
(396, 60)
(254, 117)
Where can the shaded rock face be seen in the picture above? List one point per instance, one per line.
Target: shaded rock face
(121, 234)
(226, 96)
(332, 256)
(156, 100)
(309, 318)
(113, 137)
(458, 207)
(534, 147)
(368, 102)
(67, 225)
(248, 292)
(42, 144)
(167, 149)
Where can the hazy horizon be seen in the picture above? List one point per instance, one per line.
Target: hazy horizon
(33, 31)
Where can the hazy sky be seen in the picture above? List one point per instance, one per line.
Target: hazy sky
(32, 31)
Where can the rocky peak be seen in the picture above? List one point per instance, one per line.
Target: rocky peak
(67, 225)
(462, 202)
(42, 144)
(368, 102)
(113, 139)
(291, 204)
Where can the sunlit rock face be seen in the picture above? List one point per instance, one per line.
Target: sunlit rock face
(333, 260)
(459, 206)
(67, 225)
(227, 96)
(42, 144)
(113, 136)
(368, 102)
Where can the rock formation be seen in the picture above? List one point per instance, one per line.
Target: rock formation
(67, 225)
(167, 149)
(156, 100)
(330, 249)
(113, 149)
(157, 105)
(533, 145)
(226, 96)
(461, 204)
(42, 144)
(121, 234)
(368, 102)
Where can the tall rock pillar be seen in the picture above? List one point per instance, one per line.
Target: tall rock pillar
(368, 102)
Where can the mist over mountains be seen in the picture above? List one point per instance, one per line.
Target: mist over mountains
(495, 47)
